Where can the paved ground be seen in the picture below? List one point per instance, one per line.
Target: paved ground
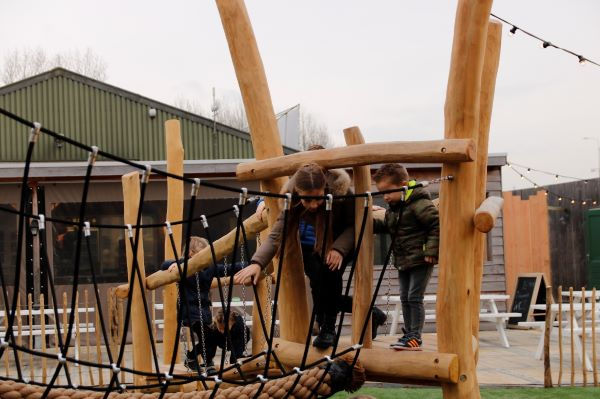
(498, 366)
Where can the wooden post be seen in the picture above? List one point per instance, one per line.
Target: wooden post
(43, 337)
(139, 331)
(266, 143)
(174, 212)
(56, 332)
(30, 309)
(457, 198)
(560, 351)
(486, 101)
(78, 337)
(98, 349)
(87, 335)
(571, 316)
(547, 330)
(583, 333)
(363, 277)
(65, 317)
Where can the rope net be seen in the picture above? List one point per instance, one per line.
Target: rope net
(240, 379)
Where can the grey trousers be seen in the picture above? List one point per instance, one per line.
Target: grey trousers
(413, 283)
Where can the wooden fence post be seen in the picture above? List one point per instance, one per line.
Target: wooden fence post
(547, 331)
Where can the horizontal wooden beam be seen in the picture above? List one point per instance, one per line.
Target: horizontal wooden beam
(443, 151)
(382, 364)
(487, 214)
(203, 259)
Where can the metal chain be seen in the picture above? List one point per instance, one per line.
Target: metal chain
(387, 295)
(201, 325)
(243, 263)
(225, 296)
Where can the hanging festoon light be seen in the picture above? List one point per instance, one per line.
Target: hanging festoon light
(545, 43)
(526, 175)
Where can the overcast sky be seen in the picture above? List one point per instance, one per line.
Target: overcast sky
(381, 65)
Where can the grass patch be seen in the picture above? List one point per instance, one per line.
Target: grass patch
(486, 393)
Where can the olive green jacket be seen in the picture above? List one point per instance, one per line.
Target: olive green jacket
(417, 234)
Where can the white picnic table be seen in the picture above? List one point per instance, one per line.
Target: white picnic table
(246, 306)
(489, 312)
(580, 310)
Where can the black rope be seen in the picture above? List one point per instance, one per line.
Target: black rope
(24, 194)
(183, 297)
(82, 209)
(347, 290)
(97, 296)
(261, 317)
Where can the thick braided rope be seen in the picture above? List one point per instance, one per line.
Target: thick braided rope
(273, 389)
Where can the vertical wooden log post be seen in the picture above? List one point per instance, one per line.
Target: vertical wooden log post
(547, 331)
(457, 198)
(30, 310)
(266, 143)
(571, 327)
(174, 212)
(43, 337)
(141, 339)
(486, 101)
(560, 351)
(363, 277)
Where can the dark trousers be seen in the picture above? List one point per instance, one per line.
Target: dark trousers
(413, 283)
(326, 288)
(213, 339)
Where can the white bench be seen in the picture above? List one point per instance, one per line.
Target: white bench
(50, 326)
(490, 314)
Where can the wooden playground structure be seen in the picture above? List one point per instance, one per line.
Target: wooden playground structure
(463, 208)
(465, 214)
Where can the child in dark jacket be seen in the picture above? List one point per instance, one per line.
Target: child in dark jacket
(199, 310)
(412, 220)
(312, 180)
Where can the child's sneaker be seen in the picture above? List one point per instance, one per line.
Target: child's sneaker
(410, 342)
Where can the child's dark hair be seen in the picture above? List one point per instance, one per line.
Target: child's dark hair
(394, 172)
(309, 177)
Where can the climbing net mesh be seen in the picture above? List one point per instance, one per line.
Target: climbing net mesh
(336, 371)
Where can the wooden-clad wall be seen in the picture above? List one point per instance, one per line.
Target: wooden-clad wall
(526, 237)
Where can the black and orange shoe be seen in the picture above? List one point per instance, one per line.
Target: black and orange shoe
(410, 342)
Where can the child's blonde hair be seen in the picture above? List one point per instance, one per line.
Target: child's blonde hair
(197, 244)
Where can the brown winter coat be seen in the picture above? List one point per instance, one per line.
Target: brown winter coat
(341, 224)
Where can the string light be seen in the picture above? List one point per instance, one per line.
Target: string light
(548, 192)
(545, 43)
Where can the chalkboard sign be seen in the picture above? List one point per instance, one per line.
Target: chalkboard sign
(530, 289)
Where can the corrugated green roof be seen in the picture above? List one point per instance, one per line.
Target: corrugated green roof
(111, 118)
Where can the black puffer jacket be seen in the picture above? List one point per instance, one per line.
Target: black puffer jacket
(418, 231)
(204, 281)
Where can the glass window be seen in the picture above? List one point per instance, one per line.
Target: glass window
(8, 242)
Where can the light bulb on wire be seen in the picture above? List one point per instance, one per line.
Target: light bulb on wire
(582, 60)
(512, 31)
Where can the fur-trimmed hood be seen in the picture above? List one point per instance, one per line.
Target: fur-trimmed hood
(337, 180)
